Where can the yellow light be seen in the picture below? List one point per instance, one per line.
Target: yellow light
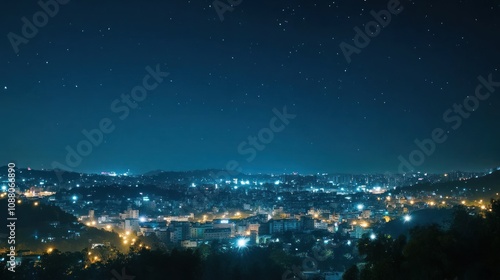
(50, 250)
(133, 239)
(88, 224)
(108, 226)
(364, 224)
(36, 203)
(443, 202)
(125, 242)
(483, 207)
(93, 223)
(238, 213)
(354, 223)
(127, 232)
(463, 202)
(90, 253)
(19, 201)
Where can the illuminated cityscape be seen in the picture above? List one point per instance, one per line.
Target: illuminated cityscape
(234, 139)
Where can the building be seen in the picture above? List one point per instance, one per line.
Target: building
(217, 233)
(131, 224)
(189, 244)
(280, 226)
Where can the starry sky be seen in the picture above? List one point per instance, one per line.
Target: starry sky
(226, 77)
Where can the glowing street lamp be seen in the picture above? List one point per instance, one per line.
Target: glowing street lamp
(242, 242)
(407, 218)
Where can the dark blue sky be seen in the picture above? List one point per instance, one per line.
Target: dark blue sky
(227, 76)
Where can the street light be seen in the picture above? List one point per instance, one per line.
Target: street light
(407, 218)
(242, 243)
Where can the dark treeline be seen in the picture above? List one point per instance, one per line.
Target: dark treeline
(248, 263)
(468, 249)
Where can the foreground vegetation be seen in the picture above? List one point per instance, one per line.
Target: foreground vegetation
(468, 249)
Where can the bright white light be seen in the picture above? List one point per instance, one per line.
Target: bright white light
(360, 207)
(242, 242)
(373, 236)
(407, 218)
(74, 197)
(142, 219)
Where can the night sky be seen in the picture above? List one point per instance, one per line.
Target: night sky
(226, 77)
